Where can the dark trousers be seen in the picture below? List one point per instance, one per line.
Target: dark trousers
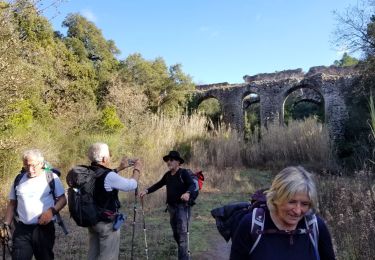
(37, 240)
(179, 220)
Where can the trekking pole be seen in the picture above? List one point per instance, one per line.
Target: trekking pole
(144, 228)
(187, 231)
(5, 246)
(6, 239)
(134, 216)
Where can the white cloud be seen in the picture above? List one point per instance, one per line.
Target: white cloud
(89, 15)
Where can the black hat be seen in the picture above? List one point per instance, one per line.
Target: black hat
(173, 155)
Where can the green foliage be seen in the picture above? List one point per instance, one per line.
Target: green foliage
(356, 30)
(166, 89)
(31, 26)
(92, 38)
(87, 42)
(211, 109)
(22, 116)
(110, 121)
(252, 120)
(346, 61)
(304, 110)
(294, 110)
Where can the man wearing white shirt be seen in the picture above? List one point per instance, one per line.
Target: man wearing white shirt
(32, 203)
(104, 241)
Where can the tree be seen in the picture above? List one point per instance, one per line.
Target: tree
(355, 30)
(17, 78)
(86, 41)
(346, 60)
(166, 89)
(126, 97)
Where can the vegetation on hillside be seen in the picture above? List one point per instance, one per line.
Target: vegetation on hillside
(62, 92)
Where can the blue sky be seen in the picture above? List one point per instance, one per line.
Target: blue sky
(217, 40)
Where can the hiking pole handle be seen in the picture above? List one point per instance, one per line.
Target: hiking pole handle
(61, 223)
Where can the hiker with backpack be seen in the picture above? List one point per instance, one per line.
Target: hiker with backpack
(286, 228)
(180, 186)
(33, 206)
(104, 232)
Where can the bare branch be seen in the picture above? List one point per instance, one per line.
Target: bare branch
(352, 27)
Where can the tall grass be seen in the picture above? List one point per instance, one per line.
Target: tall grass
(221, 149)
(348, 205)
(300, 142)
(151, 139)
(220, 153)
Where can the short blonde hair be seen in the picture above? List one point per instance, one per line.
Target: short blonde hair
(97, 151)
(287, 183)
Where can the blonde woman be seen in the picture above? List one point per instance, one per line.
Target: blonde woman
(287, 227)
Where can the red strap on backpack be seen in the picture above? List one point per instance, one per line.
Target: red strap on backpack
(200, 179)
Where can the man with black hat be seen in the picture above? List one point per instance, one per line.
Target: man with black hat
(179, 186)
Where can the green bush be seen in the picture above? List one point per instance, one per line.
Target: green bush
(110, 121)
(21, 118)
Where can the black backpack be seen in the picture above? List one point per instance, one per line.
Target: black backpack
(229, 216)
(82, 207)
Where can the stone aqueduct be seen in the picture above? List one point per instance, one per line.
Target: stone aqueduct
(329, 86)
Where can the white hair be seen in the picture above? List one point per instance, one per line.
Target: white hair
(98, 151)
(35, 153)
(287, 183)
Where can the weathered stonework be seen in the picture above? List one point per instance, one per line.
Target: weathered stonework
(320, 84)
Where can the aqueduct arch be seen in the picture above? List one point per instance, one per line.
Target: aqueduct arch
(301, 93)
(327, 84)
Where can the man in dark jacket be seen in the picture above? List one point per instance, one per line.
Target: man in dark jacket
(179, 187)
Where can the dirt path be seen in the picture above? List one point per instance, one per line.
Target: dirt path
(220, 250)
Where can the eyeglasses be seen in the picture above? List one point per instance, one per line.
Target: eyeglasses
(31, 165)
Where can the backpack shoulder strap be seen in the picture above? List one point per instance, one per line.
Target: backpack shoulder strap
(312, 225)
(257, 226)
(51, 183)
(103, 172)
(17, 180)
(99, 171)
(180, 171)
(15, 184)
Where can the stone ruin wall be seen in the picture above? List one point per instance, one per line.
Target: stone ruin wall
(330, 85)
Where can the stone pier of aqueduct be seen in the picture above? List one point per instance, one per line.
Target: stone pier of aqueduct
(327, 86)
